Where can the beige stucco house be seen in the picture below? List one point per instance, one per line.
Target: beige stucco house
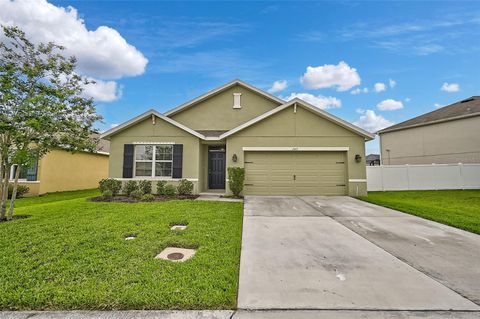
(448, 135)
(60, 170)
(289, 148)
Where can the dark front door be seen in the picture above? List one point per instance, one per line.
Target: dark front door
(216, 167)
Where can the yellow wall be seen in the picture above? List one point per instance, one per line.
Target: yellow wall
(60, 170)
(33, 188)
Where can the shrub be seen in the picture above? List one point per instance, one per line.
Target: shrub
(185, 187)
(110, 184)
(107, 193)
(21, 190)
(129, 187)
(145, 186)
(170, 190)
(148, 198)
(236, 178)
(161, 187)
(137, 194)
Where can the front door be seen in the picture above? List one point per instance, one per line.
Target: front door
(216, 167)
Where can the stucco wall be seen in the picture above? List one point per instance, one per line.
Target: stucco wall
(443, 143)
(217, 112)
(60, 170)
(161, 131)
(303, 128)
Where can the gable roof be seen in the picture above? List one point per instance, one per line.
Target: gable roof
(316, 110)
(220, 89)
(145, 115)
(462, 109)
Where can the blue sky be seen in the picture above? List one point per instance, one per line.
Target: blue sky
(413, 48)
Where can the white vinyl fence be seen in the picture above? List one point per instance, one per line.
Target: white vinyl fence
(423, 177)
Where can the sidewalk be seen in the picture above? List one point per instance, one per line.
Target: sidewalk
(240, 314)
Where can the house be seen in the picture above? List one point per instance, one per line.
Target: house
(286, 148)
(372, 159)
(60, 170)
(447, 135)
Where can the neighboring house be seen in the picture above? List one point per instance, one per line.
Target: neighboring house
(373, 159)
(60, 170)
(287, 148)
(450, 134)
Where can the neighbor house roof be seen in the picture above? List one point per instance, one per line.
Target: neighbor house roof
(145, 115)
(219, 90)
(302, 103)
(462, 109)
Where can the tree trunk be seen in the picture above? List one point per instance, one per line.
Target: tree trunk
(1, 176)
(3, 202)
(14, 194)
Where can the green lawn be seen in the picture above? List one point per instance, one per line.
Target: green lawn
(458, 208)
(56, 197)
(71, 254)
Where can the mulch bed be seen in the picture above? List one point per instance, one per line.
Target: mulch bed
(126, 199)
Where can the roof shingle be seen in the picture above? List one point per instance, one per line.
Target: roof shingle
(465, 108)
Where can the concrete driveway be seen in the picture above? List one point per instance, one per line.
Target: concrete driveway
(340, 253)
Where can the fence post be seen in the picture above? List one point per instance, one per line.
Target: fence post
(408, 176)
(460, 167)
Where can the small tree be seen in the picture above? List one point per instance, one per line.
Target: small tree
(41, 107)
(236, 178)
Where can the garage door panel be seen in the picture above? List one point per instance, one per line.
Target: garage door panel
(295, 173)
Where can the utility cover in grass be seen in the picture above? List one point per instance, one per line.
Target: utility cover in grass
(178, 227)
(176, 254)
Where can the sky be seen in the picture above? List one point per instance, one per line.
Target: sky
(372, 63)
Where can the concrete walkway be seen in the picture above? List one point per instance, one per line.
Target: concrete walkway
(240, 314)
(338, 253)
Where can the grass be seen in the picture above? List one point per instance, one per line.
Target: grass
(457, 208)
(71, 254)
(56, 197)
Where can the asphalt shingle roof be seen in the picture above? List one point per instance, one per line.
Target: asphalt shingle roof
(465, 108)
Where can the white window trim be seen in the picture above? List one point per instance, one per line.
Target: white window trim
(153, 161)
(235, 97)
(12, 177)
(153, 143)
(296, 149)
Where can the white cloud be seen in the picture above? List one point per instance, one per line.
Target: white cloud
(392, 83)
(390, 105)
(379, 87)
(103, 91)
(278, 86)
(450, 87)
(320, 101)
(358, 91)
(372, 122)
(437, 105)
(114, 125)
(101, 53)
(341, 76)
(407, 99)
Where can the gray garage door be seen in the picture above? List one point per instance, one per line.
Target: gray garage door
(295, 173)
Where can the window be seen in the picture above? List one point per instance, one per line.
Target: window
(153, 160)
(236, 100)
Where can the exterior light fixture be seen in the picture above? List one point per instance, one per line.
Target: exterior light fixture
(234, 158)
(358, 158)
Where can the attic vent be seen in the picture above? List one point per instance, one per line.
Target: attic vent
(236, 100)
(467, 100)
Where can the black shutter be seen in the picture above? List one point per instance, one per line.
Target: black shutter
(128, 160)
(177, 160)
